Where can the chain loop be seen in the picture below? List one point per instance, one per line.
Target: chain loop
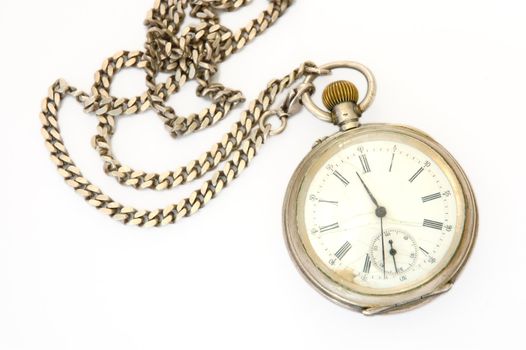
(266, 125)
(185, 54)
(239, 157)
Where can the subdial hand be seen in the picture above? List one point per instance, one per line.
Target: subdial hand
(393, 252)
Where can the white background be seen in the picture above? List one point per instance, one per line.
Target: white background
(71, 278)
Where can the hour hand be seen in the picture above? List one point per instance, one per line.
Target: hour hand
(368, 191)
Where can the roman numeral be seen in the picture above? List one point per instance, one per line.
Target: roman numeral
(433, 224)
(329, 227)
(431, 197)
(365, 163)
(418, 172)
(367, 264)
(341, 177)
(344, 249)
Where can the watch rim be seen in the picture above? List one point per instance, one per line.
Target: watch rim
(385, 303)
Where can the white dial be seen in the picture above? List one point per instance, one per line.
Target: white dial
(381, 215)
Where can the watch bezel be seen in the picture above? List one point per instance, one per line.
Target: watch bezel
(342, 295)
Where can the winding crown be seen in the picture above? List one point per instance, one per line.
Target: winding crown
(340, 91)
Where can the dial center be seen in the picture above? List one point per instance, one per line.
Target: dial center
(381, 212)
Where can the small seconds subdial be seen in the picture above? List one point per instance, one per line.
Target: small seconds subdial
(400, 252)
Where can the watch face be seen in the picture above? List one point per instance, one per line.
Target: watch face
(378, 212)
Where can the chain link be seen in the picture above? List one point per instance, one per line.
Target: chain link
(190, 53)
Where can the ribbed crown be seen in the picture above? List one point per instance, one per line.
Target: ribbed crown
(339, 92)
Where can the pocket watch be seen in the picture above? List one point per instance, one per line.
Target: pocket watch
(378, 217)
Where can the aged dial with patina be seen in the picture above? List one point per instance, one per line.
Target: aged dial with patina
(381, 216)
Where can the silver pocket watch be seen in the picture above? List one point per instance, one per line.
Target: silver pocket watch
(377, 217)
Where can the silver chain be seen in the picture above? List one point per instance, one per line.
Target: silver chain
(191, 53)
